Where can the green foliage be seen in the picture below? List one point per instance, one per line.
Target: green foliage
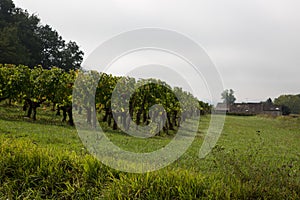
(71, 56)
(23, 40)
(14, 81)
(135, 98)
(32, 87)
(205, 108)
(11, 49)
(291, 103)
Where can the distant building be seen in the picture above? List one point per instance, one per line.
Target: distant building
(222, 108)
(249, 109)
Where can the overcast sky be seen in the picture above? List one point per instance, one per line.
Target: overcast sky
(255, 44)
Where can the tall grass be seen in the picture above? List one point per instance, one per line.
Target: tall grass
(30, 172)
(39, 173)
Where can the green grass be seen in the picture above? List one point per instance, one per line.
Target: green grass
(255, 158)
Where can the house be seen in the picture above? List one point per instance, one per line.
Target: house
(221, 108)
(249, 109)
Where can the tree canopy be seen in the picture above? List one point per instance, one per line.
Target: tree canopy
(228, 96)
(24, 40)
(291, 103)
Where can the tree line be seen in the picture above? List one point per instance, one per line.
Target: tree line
(135, 98)
(121, 100)
(32, 87)
(24, 40)
(290, 103)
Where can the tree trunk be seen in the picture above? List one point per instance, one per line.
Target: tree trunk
(128, 119)
(94, 116)
(171, 127)
(89, 115)
(105, 118)
(29, 111)
(109, 118)
(138, 117)
(70, 114)
(58, 111)
(34, 113)
(53, 106)
(64, 113)
(115, 125)
(145, 117)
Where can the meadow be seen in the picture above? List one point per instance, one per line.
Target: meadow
(256, 157)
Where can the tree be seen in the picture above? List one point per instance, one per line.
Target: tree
(19, 43)
(134, 100)
(205, 108)
(23, 40)
(7, 8)
(12, 51)
(72, 56)
(269, 101)
(52, 45)
(228, 96)
(291, 103)
(13, 82)
(28, 26)
(35, 92)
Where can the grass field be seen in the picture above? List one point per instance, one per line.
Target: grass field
(255, 158)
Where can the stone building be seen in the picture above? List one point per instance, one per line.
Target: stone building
(250, 108)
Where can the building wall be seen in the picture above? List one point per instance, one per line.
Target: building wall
(254, 109)
(246, 108)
